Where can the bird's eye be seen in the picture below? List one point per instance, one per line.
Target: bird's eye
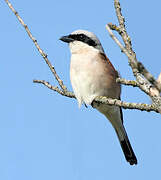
(81, 37)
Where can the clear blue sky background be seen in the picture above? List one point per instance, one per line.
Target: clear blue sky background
(44, 135)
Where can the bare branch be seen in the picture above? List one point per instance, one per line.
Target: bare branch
(123, 49)
(141, 83)
(149, 76)
(44, 55)
(103, 100)
(145, 84)
(126, 105)
(125, 36)
(127, 82)
(140, 66)
(114, 27)
(54, 88)
(137, 67)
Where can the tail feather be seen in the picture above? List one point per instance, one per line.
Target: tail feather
(115, 116)
(128, 152)
(127, 149)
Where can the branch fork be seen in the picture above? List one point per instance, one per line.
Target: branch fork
(144, 80)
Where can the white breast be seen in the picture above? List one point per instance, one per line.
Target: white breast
(85, 82)
(91, 75)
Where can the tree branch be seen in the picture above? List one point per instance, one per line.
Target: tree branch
(148, 84)
(134, 63)
(55, 88)
(102, 99)
(140, 66)
(140, 81)
(126, 105)
(127, 82)
(143, 84)
(44, 55)
(149, 76)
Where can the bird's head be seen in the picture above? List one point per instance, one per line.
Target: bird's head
(80, 39)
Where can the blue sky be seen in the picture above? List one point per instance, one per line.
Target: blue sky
(44, 135)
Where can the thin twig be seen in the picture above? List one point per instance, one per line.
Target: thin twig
(55, 88)
(124, 34)
(144, 83)
(141, 68)
(123, 49)
(127, 82)
(126, 105)
(136, 66)
(149, 76)
(44, 55)
(103, 100)
(114, 27)
(63, 91)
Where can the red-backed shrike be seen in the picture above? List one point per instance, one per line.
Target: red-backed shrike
(92, 75)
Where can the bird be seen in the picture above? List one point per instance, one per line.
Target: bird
(92, 75)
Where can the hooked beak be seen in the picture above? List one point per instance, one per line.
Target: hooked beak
(66, 39)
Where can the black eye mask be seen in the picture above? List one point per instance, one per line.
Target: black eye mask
(83, 38)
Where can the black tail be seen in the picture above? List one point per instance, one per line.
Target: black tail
(116, 119)
(128, 151)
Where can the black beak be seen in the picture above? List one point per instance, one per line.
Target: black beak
(66, 39)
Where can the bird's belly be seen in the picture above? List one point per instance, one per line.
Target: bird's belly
(87, 84)
(90, 77)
